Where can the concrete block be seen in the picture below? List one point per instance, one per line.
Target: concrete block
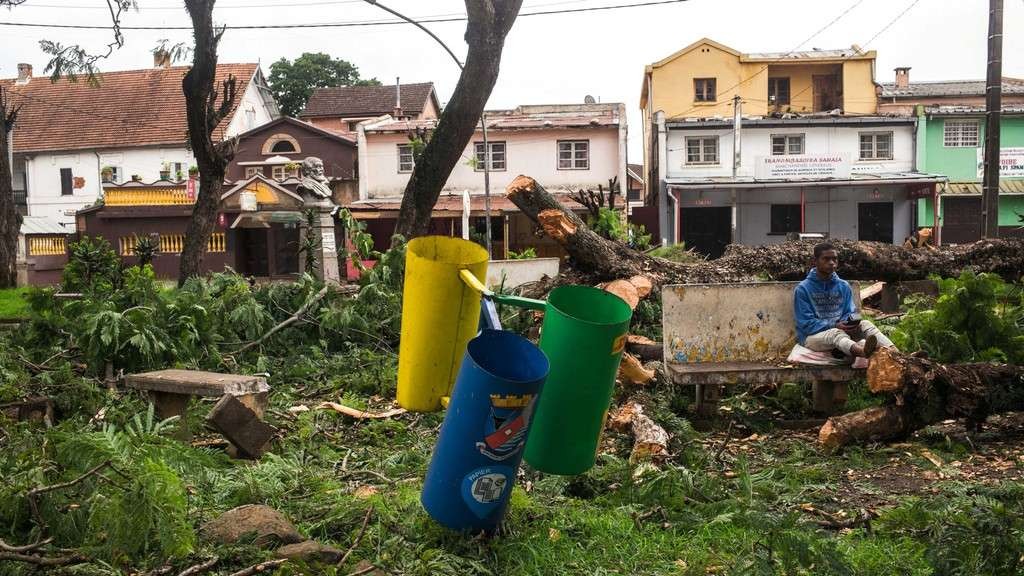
(241, 426)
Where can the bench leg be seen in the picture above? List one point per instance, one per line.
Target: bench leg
(166, 405)
(822, 394)
(840, 392)
(707, 399)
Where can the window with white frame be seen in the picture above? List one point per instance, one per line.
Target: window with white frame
(405, 159)
(497, 156)
(787, 144)
(279, 172)
(701, 150)
(960, 133)
(574, 154)
(251, 171)
(116, 174)
(876, 145)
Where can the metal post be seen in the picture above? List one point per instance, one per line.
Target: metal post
(487, 181)
(993, 102)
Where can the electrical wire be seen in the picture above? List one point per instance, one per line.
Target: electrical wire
(425, 20)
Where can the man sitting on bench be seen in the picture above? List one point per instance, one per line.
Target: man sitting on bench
(826, 318)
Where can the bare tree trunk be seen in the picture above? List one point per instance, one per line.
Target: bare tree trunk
(10, 218)
(488, 24)
(204, 114)
(609, 260)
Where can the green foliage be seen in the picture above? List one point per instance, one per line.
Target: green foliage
(976, 318)
(608, 224)
(676, 253)
(639, 237)
(293, 82)
(146, 248)
(92, 266)
(361, 240)
(310, 242)
(524, 254)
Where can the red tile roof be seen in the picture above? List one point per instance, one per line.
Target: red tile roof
(129, 108)
(363, 101)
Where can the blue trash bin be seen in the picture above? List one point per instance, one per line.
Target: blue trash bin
(480, 446)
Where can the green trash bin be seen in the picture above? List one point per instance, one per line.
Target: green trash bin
(583, 336)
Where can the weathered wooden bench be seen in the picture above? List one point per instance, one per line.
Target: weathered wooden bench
(172, 389)
(717, 335)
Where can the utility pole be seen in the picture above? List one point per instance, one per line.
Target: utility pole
(993, 103)
(737, 141)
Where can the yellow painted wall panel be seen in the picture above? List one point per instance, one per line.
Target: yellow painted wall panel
(859, 95)
(673, 83)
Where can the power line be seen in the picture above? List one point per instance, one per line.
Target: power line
(426, 20)
(220, 6)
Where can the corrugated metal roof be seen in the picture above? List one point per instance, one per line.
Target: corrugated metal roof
(806, 120)
(948, 88)
(805, 54)
(42, 225)
(960, 110)
(975, 188)
(851, 180)
(526, 117)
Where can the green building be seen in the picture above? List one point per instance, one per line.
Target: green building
(950, 141)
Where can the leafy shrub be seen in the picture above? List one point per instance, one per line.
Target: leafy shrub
(608, 224)
(639, 237)
(524, 254)
(92, 265)
(976, 318)
(677, 253)
(146, 248)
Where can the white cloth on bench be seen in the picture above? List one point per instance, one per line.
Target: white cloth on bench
(802, 355)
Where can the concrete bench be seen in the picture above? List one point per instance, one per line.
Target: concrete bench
(172, 389)
(717, 335)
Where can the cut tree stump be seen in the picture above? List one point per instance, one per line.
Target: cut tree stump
(605, 259)
(924, 392)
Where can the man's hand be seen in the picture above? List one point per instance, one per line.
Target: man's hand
(849, 328)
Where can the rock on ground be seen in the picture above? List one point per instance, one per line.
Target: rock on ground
(310, 551)
(268, 525)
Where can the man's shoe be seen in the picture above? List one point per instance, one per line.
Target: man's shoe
(870, 345)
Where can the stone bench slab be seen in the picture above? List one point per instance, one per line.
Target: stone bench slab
(197, 383)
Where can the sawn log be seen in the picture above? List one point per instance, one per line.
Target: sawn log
(924, 392)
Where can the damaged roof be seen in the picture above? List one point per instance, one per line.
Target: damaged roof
(527, 117)
(948, 88)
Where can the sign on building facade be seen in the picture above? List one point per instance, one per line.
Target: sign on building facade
(803, 166)
(1011, 162)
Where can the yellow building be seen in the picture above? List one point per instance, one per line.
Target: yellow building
(702, 79)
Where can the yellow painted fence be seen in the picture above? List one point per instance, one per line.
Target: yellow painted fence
(46, 246)
(173, 243)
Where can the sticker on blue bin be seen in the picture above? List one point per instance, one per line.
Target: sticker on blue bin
(506, 425)
(483, 489)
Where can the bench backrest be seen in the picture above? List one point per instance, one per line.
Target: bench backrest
(749, 322)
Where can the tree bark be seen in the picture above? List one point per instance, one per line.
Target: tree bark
(924, 392)
(488, 24)
(650, 441)
(204, 114)
(10, 218)
(604, 259)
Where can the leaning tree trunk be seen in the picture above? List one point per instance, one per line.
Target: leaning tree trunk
(204, 114)
(608, 260)
(10, 218)
(925, 392)
(488, 23)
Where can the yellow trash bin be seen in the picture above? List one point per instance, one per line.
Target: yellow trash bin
(440, 314)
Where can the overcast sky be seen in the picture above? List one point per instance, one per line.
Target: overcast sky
(548, 58)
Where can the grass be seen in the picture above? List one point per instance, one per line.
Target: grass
(13, 304)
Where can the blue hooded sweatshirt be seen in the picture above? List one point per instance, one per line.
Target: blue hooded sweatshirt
(819, 305)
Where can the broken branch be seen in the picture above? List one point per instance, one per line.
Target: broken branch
(286, 322)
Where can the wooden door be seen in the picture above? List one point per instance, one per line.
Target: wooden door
(254, 249)
(874, 221)
(286, 250)
(706, 230)
(961, 219)
(826, 92)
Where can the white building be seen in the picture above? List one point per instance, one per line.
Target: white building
(69, 135)
(565, 147)
(843, 177)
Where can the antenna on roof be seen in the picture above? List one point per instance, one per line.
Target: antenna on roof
(589, 99)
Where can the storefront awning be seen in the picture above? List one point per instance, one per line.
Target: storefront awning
(875, 179)
(264, 219)
(975, 188)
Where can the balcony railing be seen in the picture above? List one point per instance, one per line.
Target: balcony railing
(173, 243)
(46, 246)
(148, 197)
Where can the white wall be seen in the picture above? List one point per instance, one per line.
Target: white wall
(530, 152)
(44, 197)
(843, 140)
(253, 103)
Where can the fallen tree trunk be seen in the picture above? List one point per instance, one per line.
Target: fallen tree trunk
(925, 392)
(609, 260)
